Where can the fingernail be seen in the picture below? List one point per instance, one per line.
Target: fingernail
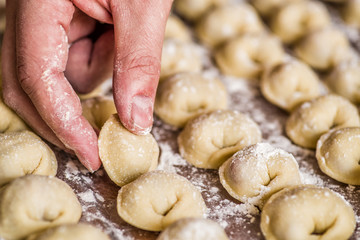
(93, 165)
(141, 114)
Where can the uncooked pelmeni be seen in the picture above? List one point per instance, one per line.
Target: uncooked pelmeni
(126, 156)
(192, 10)
(336, 1)
(79, 231)
(338, 156)
(256, 172)
(267, 8)
(296, 19)
(324, 48)
(210, 139)
(351, 13)
(103, 89)
(307, 212)
(23, 153)
(98, 110)
(33, 203)
(9, 121)
(176, 29)
(187, 95)
(226, 22)
(94, 93)
(289, 84)
(161, 199)
(345, 80)
(178, 56)
(249, 54)
(314, 118)
(193, 229)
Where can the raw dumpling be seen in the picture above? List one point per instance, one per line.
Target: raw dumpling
(345, 80)
(296, 19)
(338, 155)
(161, 198)
(224, 23)
(33, 203)
(210, 139)
(193, 229)
(23, 153)
(256, 172)
(176, 29)
(324, 49)
(289, 84)
(98, 110)
(79, 231)
(267, 8)
(9, 121)
(126, 156)
(178, 57)
(351, 12)
(192, 10)
(312, 119)
(187, 95)
(307, 212)
(248, 55)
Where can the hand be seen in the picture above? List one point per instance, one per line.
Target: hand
(40, 71)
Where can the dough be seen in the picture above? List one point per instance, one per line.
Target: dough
(351, 13)
(307, 212)
(345, 80)
(338, 155)
(176, 29)
(161, 199)
(9, 121)
(126, 156)
(312, 119)
(98, 110)
(94, 93)
(324, 48)
(79, 231)
(226, 22)
(187, 95)
(34, 203)
(103, 89)
(192, 10)
(193, 229)
(179, 57)
(210, 139)
(297, 19)
(289, 84)
(256, 172)
(336, 1)
(249, 54)
(23, 153)
(267, 8)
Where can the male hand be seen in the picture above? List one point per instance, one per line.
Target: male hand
(46, 55)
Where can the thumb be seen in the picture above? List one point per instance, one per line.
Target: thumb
(139, 31)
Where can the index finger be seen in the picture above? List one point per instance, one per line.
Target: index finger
(42, 51)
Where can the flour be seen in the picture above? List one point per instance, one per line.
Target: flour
(241, 221)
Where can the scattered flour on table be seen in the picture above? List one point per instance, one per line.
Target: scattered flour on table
(245, 97)
(90, 199)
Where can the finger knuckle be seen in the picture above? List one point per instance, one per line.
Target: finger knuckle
(142, 63)
(28, 84)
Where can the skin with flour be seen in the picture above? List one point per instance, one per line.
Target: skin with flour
(41, 73)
